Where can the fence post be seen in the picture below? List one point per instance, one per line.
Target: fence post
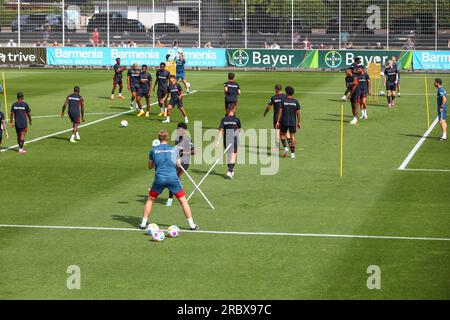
(107, 23)
(63, 24)
(153, 23)
(340, 24)
(245, 24)
(199, 23)
(387, 24)
(19, 24)
(292, 24)
(436, 27)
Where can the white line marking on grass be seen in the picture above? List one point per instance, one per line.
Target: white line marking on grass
(280, 234)
(418, 145)
(427, 170)
(86, 114)
(81, 126)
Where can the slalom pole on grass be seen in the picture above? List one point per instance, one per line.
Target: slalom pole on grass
(342, 142)
(5, 97)
(426, 102)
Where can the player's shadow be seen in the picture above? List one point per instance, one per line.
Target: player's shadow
(338, 115)
(131, 220)
(59, 138)
(336, 100)
(106, 98)
(212, 173)
(419, 136)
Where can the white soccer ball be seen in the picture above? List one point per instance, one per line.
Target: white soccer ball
(173, 231)
(156, 143)
(158, 236)
(381, 93)
(180, 51)
(124, 123)
(152, 228)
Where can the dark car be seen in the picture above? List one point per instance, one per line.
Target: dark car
(135, 26)
(234, 25)
(99, 21)
(333, 25)
(36, 22)
(165, 28)
(359, 26)
(15, 23)
(420, 23)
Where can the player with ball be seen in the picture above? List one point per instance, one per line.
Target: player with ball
(164, 158)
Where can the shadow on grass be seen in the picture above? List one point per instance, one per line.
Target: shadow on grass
(212, 173)
(338, 115)
(419, 136)
(144, 197)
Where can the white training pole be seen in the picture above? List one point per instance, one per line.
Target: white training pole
(209, 171)
(197, 187)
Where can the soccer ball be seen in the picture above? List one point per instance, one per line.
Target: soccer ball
(158, 236)
(381, 93)
(124, 123)
(180, 51)
(152, 228)
(156, 143)
(173, 231)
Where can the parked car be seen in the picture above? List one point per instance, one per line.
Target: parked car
(234, 25)
(165, 28)
(99, 21)
(420, 23)
(15, 23)
(36, 22)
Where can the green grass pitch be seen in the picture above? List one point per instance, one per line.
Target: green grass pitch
(103, 181)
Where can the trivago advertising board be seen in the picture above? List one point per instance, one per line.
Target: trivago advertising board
(68, 56)
(431, 60)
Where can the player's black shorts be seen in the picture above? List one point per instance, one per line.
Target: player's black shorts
(363, 94)
(1, 137)
(178, 103)
(20, 130)
(291, 129)
(143, 93)
(234, 143)
(161, 93)
(234, 102)
(117, 80)
(391, 86)
(134, 87)
(74, 118)
(354, 98)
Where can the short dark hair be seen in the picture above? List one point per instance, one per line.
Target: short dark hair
(19, 95)
(182, 125)
(357, 59)
(278, 87)
(361, 67)
(438, 80)
(144, 66)
(162, 64)
(231, 76)
(230, 107)
(172, 76)
(289, 91)
(117, 59)
(76, 89)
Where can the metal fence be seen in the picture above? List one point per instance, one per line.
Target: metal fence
(316, 24)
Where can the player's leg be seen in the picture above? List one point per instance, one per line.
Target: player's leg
(393, 93)
(232, 156)
(344, 97)
(283, 137)
(398, 85)
(113, 88)
(147, 102)
(443, 123)
(354, 102)
(169, 108)
(179, 174)
(176, 188)
(21, 139)
(155, 190)
(120, 83)
(139, 103)
(74, 131)
(133, 97)
(183, 111)
(292, 131)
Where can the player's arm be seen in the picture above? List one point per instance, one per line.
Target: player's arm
(355, 85)
(369, 86)
(298, 118)
(4, 128)
(156, 82)
(239, 90)
(150, 164)
(11, 119)
(64, 107)
(82, 108)
(268, 107)
(180, 92)
(29, 118)
(225, 89)
(444, 101)
(396, 76)
(219, 136)
(128, 82)
(277, 125)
